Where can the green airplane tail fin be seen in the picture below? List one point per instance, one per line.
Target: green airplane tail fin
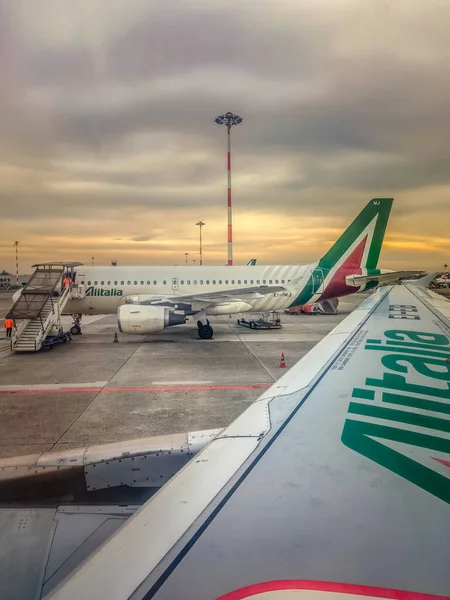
(360, 244)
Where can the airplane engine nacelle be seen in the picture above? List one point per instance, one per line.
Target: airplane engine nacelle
(136, 318)
(229, 308)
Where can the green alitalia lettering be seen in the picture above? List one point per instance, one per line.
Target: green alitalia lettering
(413, 402)
(417, 336)
(391, 381)
(363, 394)
(92, 291)
(428, 354)
(400, 416)
(422, 351)
(402, 345)
(359, 436)
(391, 361)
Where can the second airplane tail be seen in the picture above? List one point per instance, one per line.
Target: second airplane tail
(359, 246)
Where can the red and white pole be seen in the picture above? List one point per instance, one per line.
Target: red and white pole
(229, 120)
(16, 244)
(230, 217)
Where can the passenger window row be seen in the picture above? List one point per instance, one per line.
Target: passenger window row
(188, 282)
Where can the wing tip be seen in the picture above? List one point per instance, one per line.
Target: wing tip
(425, 281)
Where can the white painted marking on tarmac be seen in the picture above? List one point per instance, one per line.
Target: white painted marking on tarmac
(53, 386)
(180, 382)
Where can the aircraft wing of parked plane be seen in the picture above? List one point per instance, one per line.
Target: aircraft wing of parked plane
(335, 482)
(228, 295)
(384, 278)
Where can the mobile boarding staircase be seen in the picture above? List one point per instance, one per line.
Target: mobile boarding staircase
(40, 305)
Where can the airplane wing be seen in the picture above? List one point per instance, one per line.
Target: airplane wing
(229, 295)
(382, 278)
(335, 482)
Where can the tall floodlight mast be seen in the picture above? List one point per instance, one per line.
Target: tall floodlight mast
(229, 120)
(200, 224)
(16, 245)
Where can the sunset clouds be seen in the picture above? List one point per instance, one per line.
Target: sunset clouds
(108, 146)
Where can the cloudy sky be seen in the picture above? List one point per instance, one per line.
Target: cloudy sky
(108, 146)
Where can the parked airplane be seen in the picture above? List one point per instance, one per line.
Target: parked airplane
(149, 299)
(334, 483)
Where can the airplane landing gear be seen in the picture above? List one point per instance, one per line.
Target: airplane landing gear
(76, 325)
(205, 332)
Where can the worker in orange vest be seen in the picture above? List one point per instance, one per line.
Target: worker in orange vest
(9, 324)
(67, 281)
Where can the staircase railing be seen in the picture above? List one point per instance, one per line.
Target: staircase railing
(46, 323)
(50, 319)
(18, 332)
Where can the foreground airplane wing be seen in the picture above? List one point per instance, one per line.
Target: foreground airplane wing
(335, 481)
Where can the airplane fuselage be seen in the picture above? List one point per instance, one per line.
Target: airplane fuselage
(107, 288)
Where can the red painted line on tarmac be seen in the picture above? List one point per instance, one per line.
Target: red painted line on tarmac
(51, 391)
(138, 389)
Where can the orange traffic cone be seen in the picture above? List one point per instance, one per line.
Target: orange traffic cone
(283, 362)
(116, 339)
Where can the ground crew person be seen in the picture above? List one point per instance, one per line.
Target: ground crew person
(67, 281)
(9, 324)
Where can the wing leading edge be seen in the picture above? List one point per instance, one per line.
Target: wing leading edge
(338, 473)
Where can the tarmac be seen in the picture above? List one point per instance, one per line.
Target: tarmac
(94, 391)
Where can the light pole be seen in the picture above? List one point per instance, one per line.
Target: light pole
(229, 120)
(16, 244)
(200, 224)
(186, 255)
